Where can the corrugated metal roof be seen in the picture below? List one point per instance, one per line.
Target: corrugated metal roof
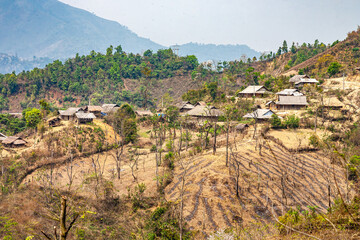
(290, 92)
(292, 100)
(254, 89)
(307, 80)
(260, 114)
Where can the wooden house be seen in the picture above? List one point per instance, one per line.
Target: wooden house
(82, 117)
(13, 142)
(291, 103)
(270, 105)
(69, 114)
(260, 114)
(254, 91)
(54, 121)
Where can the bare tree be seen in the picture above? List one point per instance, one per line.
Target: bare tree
(64, 230)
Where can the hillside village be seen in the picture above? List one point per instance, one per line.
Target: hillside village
(158, 146)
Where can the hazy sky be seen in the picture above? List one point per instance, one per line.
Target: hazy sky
(261, 24)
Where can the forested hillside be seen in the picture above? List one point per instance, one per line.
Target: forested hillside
(96, 76)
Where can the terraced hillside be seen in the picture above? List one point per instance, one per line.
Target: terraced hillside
(270, 183)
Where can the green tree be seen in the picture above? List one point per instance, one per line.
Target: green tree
(334, 68)
(284, 47)
(275, 121)
(292, 122)
(33, 117)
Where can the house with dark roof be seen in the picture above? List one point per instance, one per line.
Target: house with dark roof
(260, 114)
(254, 91)
(82, 117)
(69, 114)
(291, 103)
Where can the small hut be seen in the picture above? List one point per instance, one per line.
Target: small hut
(54, 121)
(254, 91)
(13, 142)
(82, 117)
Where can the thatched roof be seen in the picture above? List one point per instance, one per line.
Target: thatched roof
(254, 89)
(70, 111)
(107, 108)
(185, 105)
(93, 108)
(205, 111)
(143, 113)
(14, 140)
(290, 92)
(260, 114)
(2, 135)
(292, 100)
(82, 115)
(297, 78)
(16, 115)
(331, 102)
(201, 103)
(53, 119)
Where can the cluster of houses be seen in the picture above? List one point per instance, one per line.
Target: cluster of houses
(287, 99)
(85, 114)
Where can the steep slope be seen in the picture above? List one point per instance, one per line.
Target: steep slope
(49, 28)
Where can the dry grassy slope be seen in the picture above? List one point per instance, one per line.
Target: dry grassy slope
(210, 199)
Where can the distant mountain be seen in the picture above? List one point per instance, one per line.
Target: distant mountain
(49, 28)
(10, 63)
(206, 52)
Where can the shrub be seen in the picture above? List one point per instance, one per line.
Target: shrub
(292, 122)
(333, 68)
(275, 121)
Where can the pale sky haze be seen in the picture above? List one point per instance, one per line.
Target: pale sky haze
(261, 24)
